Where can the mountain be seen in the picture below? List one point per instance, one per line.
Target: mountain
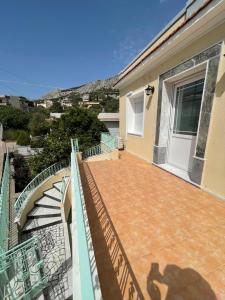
(90, 87)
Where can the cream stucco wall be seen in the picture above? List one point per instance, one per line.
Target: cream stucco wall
(214, 172)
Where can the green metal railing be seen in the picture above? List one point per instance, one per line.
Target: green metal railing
(4, 207)
(74, 145)
(21, 271)
(86, 284)
(107, 145)
(39, 179)
(109, 140)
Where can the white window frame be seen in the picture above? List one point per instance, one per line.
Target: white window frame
(130, 114)
(179, 83)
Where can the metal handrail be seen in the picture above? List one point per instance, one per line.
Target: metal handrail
(86, 284)
(22, 200)
(21, 271)
(108, 139)
(107, 145)
(99, 149)
(74, 145)
(4, 207)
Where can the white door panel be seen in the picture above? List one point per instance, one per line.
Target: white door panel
(181, 152)
(185, 118)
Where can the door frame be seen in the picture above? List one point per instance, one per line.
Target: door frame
(174, 86)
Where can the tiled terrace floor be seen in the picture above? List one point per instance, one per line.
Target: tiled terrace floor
(173, 233)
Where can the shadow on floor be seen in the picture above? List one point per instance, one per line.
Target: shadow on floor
(116, 277)
(177, 283)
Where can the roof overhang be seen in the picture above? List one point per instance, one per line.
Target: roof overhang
(207, 18)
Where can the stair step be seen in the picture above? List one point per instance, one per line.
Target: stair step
(34, 224)
(54, 194)
(40, 297)
(45, 201)
(58, 185)
(40, 212)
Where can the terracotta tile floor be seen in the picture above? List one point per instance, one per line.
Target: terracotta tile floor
(173, 233)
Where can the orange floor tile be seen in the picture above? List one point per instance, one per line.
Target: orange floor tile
(155, 236)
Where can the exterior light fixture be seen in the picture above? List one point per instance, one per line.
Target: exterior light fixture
(149, 90)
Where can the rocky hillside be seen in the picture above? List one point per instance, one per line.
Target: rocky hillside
(87, 88)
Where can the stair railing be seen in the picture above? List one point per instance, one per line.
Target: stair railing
(22, 271)
(108, 140)
(4, 207)
(39, 179)
(107, 145)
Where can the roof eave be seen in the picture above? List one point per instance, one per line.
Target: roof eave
(180, 37)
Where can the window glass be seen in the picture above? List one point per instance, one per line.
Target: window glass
(187, 107)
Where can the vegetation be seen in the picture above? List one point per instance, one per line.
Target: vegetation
(11, 134)
(38, 125)
(77, 123)
(54, 136)
(22, 174)
(13, 118)
(56, 107)
(23, 138)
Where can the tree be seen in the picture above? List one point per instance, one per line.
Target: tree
(56, 148)
(13, 118)
(38, 125)
(77, 123)
(56, 107)
(21, 172)
(23, 139)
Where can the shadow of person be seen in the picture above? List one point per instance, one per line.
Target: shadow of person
(180, 284)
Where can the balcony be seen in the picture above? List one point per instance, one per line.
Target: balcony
(153, 233)
(111, 226)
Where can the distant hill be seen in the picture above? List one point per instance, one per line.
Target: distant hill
(88, 88)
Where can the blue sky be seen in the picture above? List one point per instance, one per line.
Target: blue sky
(64, 43)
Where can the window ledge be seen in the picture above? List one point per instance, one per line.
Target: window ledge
(135, 133)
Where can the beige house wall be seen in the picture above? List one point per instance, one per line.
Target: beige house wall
(214, 172)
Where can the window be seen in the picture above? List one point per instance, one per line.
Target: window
(187, 108)
(135, 114)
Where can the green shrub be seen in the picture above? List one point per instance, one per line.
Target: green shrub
(21, 174)
(11, 134)
(23, 139)
(38, 143)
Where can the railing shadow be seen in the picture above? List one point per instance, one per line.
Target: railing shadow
(116, 277)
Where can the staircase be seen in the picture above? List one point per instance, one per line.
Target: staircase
(45, 222)
(47, 210)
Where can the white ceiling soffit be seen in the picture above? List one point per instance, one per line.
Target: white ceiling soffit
(210, 17)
